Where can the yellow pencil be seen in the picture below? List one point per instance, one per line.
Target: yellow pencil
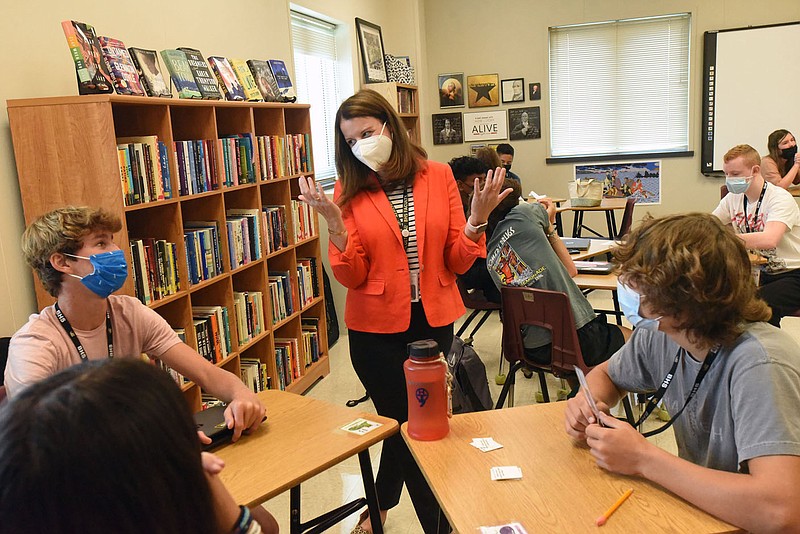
(603, 518)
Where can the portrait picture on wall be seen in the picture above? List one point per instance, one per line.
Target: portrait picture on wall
(525, 123)
(513, 90)
(448, 128)
(641, 179)
(485, 125)
(535, 91)
(370, 41)
(483, 90)
(451, 90)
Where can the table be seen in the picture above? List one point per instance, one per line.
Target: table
(607, 205)
(301, 438)
(597, 247)
(561, 490)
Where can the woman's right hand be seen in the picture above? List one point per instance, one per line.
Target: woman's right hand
(797, 159)
(312, 194)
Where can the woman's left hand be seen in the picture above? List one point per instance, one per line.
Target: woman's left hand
(485, 199)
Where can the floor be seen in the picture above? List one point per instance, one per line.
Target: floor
(342, 483)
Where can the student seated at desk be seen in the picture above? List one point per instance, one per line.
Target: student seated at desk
(701, 343)
(111, 446)
(782, 166)
(73, 253)
(525, 250)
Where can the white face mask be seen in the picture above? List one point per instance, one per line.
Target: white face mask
(373, 151)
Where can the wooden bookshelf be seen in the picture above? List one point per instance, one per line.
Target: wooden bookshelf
(404, 99)
(66, 153)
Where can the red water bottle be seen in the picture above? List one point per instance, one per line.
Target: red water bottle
(428, 393)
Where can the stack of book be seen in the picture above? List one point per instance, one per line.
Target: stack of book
(275, 228)
(155, 271)
(240, 161)
(405, 100)
(254, 374)
(287, 360)
(244, 236)
(213, 333)
(305, 223)
(307, 280)
(143, 169)
(248, 308)
(310, 328)
(280, 288)
(197, 166)
(203, 259)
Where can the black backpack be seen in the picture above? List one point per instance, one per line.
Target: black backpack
(470, 385)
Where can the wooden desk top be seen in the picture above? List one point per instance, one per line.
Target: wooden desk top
(607, 204)
(561, 490)
(596, 281)
(301, 438)
(557, 200)
(596, 248)
(794, 190)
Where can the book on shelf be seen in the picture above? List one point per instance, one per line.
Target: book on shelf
(307, 280)
(305, 223)
(209, 401)
(197, 166)
(311, 341)
(245, 77)
(142, 169)
(248, 222)
(217, 332)
(203, 259)
(206, 82)
(281, 75)
(240, 160)
(224, 73)
(280, 285)
(284, 155)
(289, 352)
(149, 69)
(120, 65)
(265, 81)
(254, 374)
(181, 73)
(274, 222)
(90, 67)
(175, 375)
(405, 100)
(248, 307)
(155, 271)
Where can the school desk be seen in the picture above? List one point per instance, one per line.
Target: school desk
(597, 247)
(607, 205)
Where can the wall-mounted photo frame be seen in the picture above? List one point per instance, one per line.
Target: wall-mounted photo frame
(370, 41)
(535, 91)
(483, 90)
(485, 125)
(451, 90)
(447, 129)
(513, 90)
(525, 123)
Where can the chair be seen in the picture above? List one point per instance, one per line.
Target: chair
(475, 301)
(627, 218)
(723, 190)
(550, 310)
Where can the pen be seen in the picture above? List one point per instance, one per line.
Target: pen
(603, 518)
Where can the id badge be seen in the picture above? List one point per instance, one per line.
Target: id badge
(414, 287)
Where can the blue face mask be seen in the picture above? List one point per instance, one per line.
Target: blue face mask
(630, 301)
(737, 184)
(110, 272)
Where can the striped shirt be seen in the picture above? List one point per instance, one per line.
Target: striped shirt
(395, 196)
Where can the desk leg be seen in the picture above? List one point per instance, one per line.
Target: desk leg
(577, 223)
(611, 220)
(295, 525)
(559, 227)
(617, 311)
(369, 492)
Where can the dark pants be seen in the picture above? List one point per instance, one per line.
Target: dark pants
(782, 293)
(477, 277)
(378, 362)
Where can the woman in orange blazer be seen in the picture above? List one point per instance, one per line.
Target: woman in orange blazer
(398, 238)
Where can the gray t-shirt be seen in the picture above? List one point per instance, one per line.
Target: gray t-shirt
(746, 406)
(519, 254)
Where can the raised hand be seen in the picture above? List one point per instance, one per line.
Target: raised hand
(486, 199)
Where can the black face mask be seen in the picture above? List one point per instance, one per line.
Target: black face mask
(507, 167)
(788, 153)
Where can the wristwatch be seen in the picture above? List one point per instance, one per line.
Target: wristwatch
(481, 228)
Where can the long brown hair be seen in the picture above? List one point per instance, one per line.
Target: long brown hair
(775, 152)
(692, 268)
(407, 157)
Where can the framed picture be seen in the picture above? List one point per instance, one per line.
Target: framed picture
(483, 90)
(447, 129)
(513, 90)
(640, 179)
(370, 41)
(485, 125)
(525, 123)
(535, 91)
(451, 90)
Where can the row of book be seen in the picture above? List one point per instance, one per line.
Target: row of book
(248, 308)
(255, 375)
(284, 155)
(104, 65)
(155, 271)
(212, 332)
(307, 280)
(275, 228)
(143, 169)
(305, 223)
(405, 100)
(281, 295)
(203, 258)
(244, 235)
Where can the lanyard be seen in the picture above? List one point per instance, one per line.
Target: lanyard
(659, 394)
(403, 223)
(74, 337)
(758, 208)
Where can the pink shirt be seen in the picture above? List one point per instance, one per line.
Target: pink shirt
(42, 347)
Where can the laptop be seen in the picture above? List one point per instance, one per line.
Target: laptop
(594, 267)
(212, 422)
(577, 243)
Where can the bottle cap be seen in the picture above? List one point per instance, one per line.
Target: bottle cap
(423, 349)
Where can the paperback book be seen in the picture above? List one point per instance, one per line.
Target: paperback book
(119, 63)
(202, 74)
(181, 73)
(245, 77)
(149, 70)
(90, 67)
(264, 79)
(281, 74)
(227, 78)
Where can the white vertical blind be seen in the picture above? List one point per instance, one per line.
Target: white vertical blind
(620, 87)
(317, 81)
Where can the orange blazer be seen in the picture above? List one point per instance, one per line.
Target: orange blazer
(374, 266)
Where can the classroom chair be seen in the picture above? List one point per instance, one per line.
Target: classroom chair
(723, 190)
(627, 218)
(475, 301)
(550, 310)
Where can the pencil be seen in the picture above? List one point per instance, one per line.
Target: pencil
(603, 518)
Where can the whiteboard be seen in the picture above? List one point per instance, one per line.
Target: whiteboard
(751, 79)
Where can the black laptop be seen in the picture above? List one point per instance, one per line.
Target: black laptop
(577, 243)
(212, 422)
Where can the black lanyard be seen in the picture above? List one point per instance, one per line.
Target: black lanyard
(758, 208)
(659, 394)
(403, 223)
(74, 337)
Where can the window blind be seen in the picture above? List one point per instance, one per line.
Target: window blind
(620, 87)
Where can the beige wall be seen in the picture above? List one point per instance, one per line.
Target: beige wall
(515, 44)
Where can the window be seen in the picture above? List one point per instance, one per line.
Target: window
(317, 81)
(620, 87)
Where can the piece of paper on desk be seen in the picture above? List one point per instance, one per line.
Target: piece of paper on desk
(508, 528)
(485, 444)
(588, 394)
(534, 194)
(506, 472)
(361, 426)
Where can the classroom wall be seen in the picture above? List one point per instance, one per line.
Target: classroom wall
(511, 38)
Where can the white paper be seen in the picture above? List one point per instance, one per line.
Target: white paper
(360, 426)
(535, 195)
(516, 528)
(485, 444)
(506, 472)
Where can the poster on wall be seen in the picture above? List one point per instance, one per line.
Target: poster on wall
(641, 179)
(484, 90)
(524, 123)
(451, 90)
(447, 129)
(485, 125)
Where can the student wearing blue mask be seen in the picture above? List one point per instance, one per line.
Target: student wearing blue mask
(766, 218)
(730, 380)
(74, 255)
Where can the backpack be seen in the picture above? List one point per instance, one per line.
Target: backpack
(470, 385)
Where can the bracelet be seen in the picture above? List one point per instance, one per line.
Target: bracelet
(551, 234)
(243, 522)
(336, 234)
